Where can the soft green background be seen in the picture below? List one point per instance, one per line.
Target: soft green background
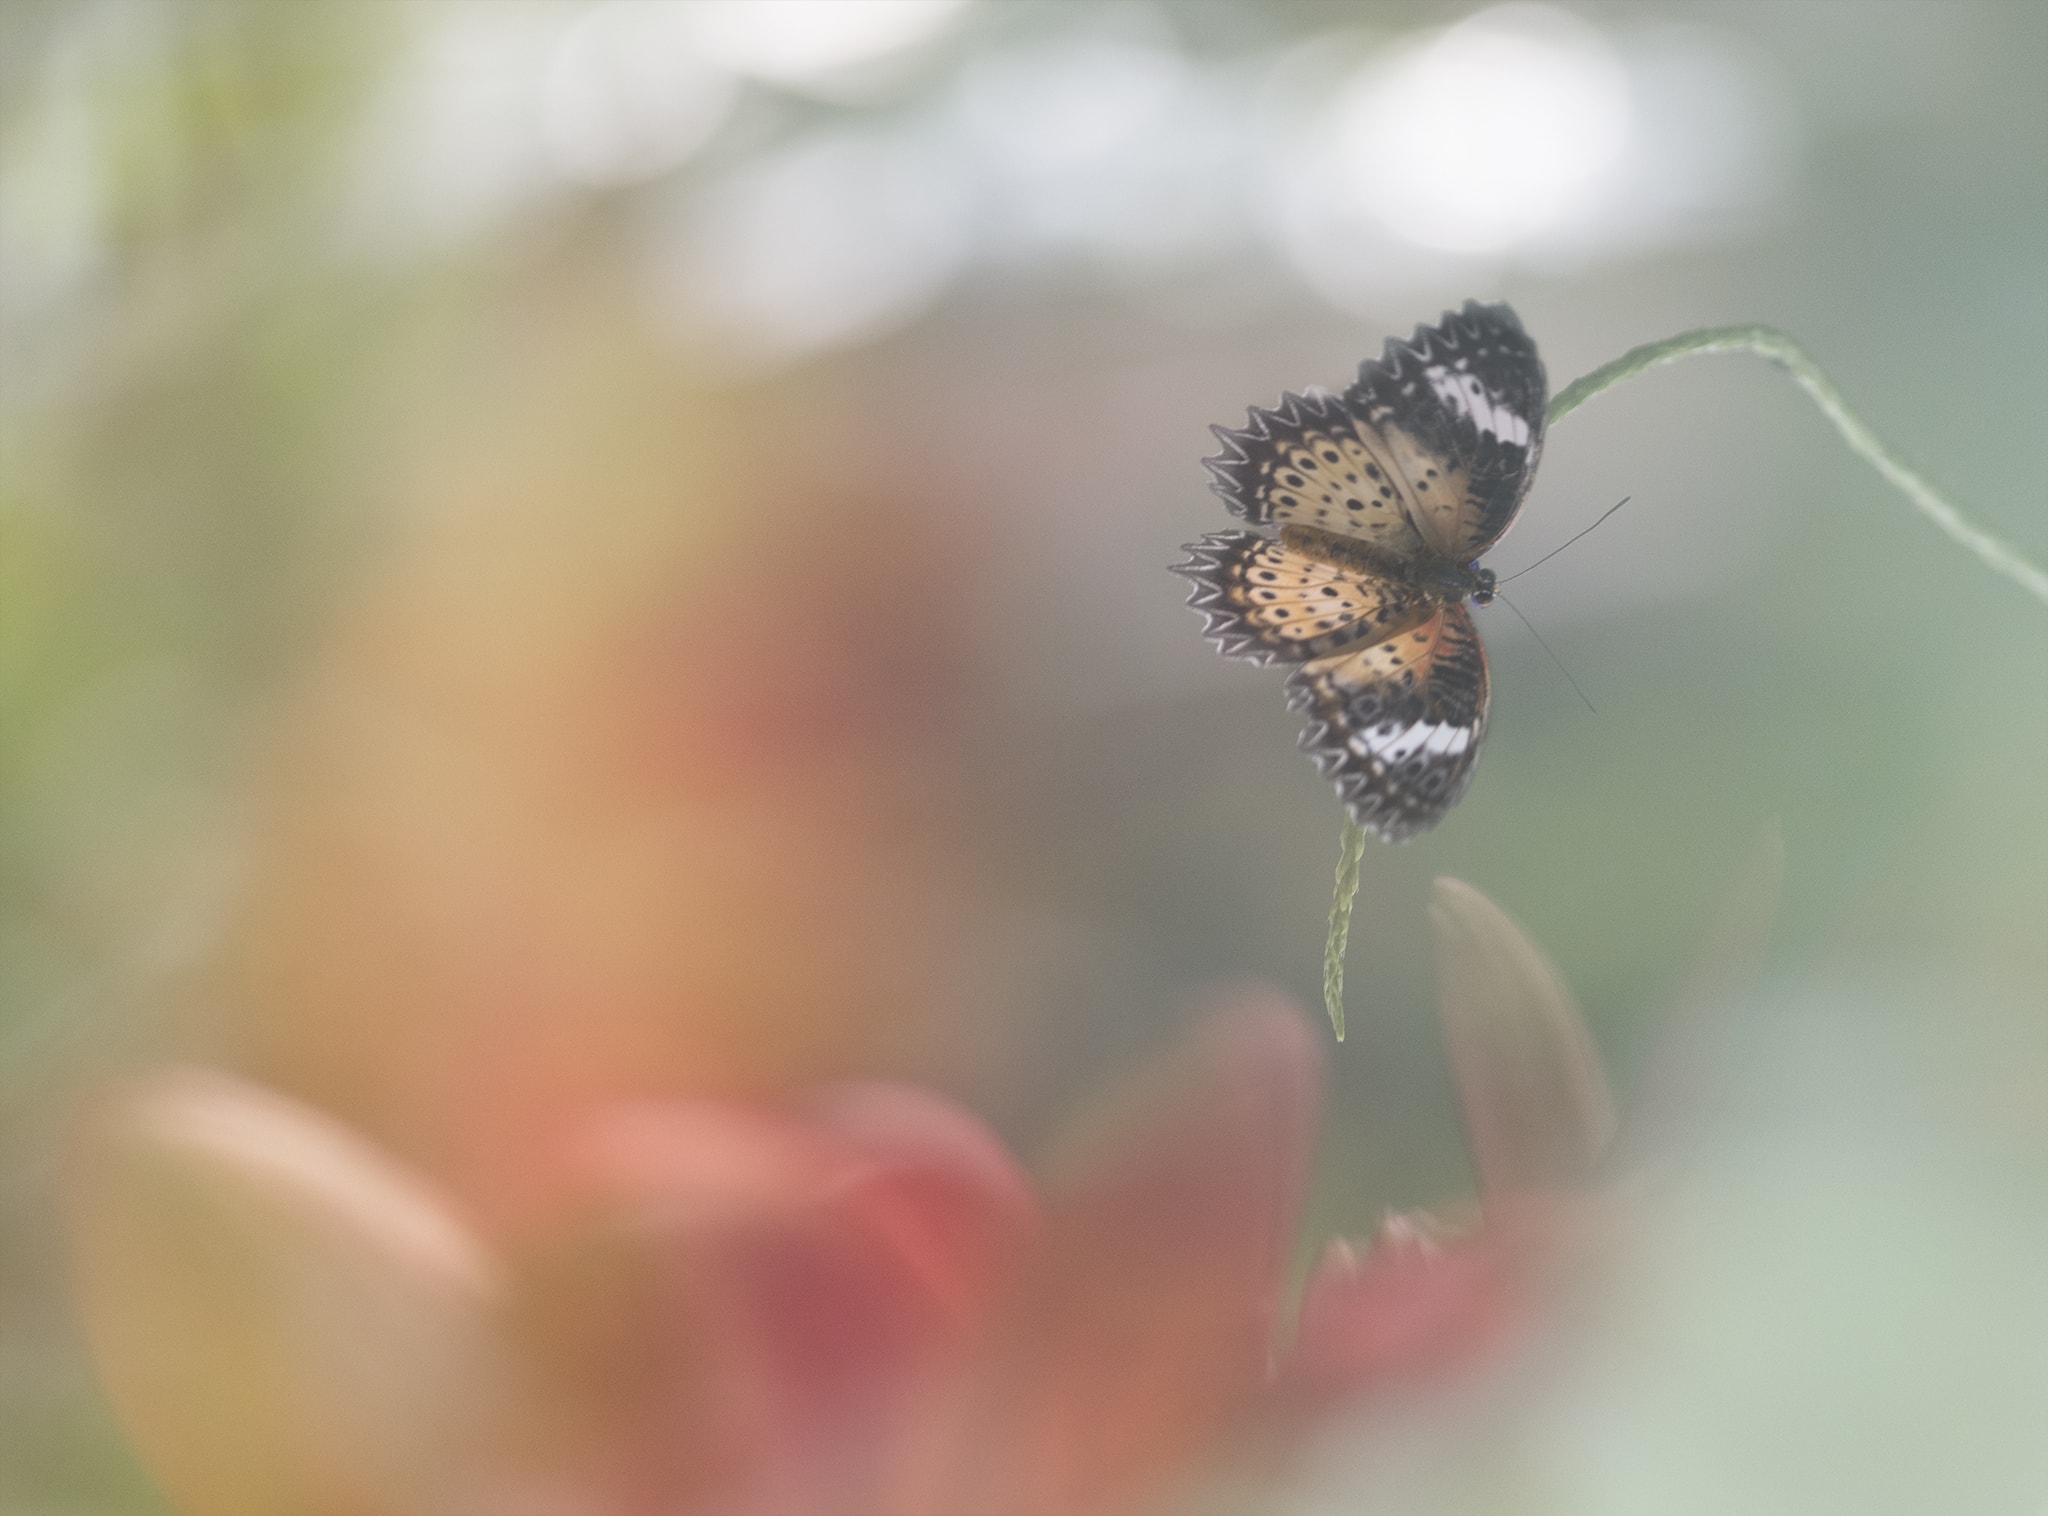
(1770, 637)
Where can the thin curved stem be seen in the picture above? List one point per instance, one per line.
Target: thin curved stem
(1765, 342)
(1768, 342)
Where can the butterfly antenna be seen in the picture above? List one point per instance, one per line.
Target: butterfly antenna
(1539, 636)
(1518, 573)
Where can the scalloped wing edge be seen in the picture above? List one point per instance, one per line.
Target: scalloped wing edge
(1231, 473)
(1451, 329)
(1370, 808)
(1204, 566)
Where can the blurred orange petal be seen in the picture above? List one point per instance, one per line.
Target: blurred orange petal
(285, 1320)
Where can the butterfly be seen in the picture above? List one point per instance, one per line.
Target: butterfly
(1383, 497)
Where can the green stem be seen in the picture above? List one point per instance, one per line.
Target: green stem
(1352, 849)
(1766, 342)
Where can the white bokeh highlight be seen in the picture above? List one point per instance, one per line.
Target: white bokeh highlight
(802, 42)
(833, 240)
(1521, 137)
(1380, 170)
(1112, 148)
(451, 146)
(1502, 126)
(628, 94)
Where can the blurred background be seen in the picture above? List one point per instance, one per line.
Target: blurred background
(622, 545)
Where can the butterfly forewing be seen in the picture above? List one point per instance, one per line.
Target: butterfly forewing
(1468, 394)
(1270, 604)
(1311, 462)
(1397, 724)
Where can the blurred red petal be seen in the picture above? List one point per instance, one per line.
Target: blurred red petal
(753, 1301)
(1411, 1312)
(938, 1186)
(1146, 1321)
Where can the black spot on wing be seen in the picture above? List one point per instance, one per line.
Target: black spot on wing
(1305, 461)
(1264, 602)
(1213, 565)
(1244, 472)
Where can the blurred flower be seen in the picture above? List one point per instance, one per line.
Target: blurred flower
(1429, 1298)
(850, 1301)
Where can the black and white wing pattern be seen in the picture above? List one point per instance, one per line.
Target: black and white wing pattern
(1469, 393)
(1396, 725)
(1384, 498)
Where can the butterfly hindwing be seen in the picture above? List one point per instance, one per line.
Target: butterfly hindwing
(1397, 724)
(1466, 396)
(1270, 604)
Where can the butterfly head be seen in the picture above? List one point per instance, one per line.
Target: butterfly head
(1483, 581)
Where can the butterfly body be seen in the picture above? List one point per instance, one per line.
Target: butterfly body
(1384, 498)
(1440, 580)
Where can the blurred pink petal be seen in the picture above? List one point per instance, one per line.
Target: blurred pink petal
(1408, 1312)
(1144, 1326)
(751, 1301)
(939, 1185)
